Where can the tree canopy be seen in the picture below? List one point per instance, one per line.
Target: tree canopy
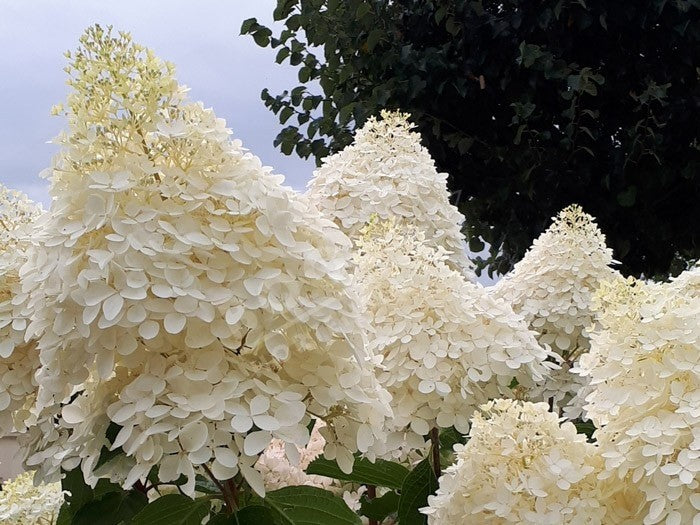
(528, 106)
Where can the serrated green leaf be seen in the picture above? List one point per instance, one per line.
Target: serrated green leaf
(309, 506)
(382, 473)
(172, 509)
(112, 509)
(417, 486)
(247, 25)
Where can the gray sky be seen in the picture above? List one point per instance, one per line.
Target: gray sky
(224, 70)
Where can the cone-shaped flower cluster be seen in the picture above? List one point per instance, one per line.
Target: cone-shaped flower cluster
(188, 307)
(552, 287)
(18, 356)
(521, 466)
(444, 345)
(388, 173)
(23, 503)
(644, 366)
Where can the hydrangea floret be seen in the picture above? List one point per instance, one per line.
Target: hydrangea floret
(644, 365)
(521, 466)
(552, 287)
(188, 307)
(23, 503)
(388, 173)
(18, 355)
(445, 346)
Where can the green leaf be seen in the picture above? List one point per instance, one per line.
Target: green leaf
(247, 25)
(417, 486)
(80, 492)
(262, 36)
(373, 38)
(285, 114)
(382, 473)
(362, 10)
(585, 427)
(172, 509)
(112, 509)
(309, 506)
(627, 197)
(379, 508)
(254, 515)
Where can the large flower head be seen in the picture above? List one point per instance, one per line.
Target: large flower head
(189, 308)
(644, 365)
(388, 173)
(18, 355)
(444, 344)
(520, 466)
(552, 287)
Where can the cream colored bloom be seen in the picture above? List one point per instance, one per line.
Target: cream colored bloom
(23, 503)
(552, 287)
(644, 366)
(444, 346)
(520, 466)
(388, 173)
(184, 299)
(18, 355)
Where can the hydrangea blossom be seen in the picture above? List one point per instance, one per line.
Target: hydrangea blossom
(388, 173)
(23, 503)
(521, 466)
(645, 367)
(444, 345)
(188, 307)
(18, 355)
(552, 287)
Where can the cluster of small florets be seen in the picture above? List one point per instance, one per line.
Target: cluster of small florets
(645, 369)
(188, 307)
(520, 466)
(23, 503)
(552, 287)
(444, 345)
(388, 173)
(18, 356)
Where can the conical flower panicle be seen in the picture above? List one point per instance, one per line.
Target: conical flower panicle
(522, 466)
(644, 367)
(552, 288)
(18, 355)
(188, 307)
(444, 345)
(388, 173)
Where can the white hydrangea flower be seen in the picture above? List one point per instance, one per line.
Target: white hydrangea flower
(644, 365)
(18, 355)
(520, 466)
(388, 173)
(552, 287)
(444, 346)
(185, 302)
(23, 503)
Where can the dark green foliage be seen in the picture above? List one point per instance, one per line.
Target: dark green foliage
(529, 106)
(381, 473)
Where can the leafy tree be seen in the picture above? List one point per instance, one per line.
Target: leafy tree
(529, 106)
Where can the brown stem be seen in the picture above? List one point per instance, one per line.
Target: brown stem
(228, 498)
(140, 487)
(435, 449)
(372, 494)
(233, 490)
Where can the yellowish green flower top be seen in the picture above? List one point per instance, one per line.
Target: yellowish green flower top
(23, 503)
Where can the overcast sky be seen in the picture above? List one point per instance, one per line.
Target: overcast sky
(224, 70)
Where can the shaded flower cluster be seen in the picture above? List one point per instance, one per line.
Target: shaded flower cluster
(388, 173)
(23, 503)
(443, 345)
(521, 466)
(18, 356)
(552, 287)
(188, 308)
(644, 366)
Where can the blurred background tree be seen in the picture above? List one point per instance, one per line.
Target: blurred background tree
(528, 105)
